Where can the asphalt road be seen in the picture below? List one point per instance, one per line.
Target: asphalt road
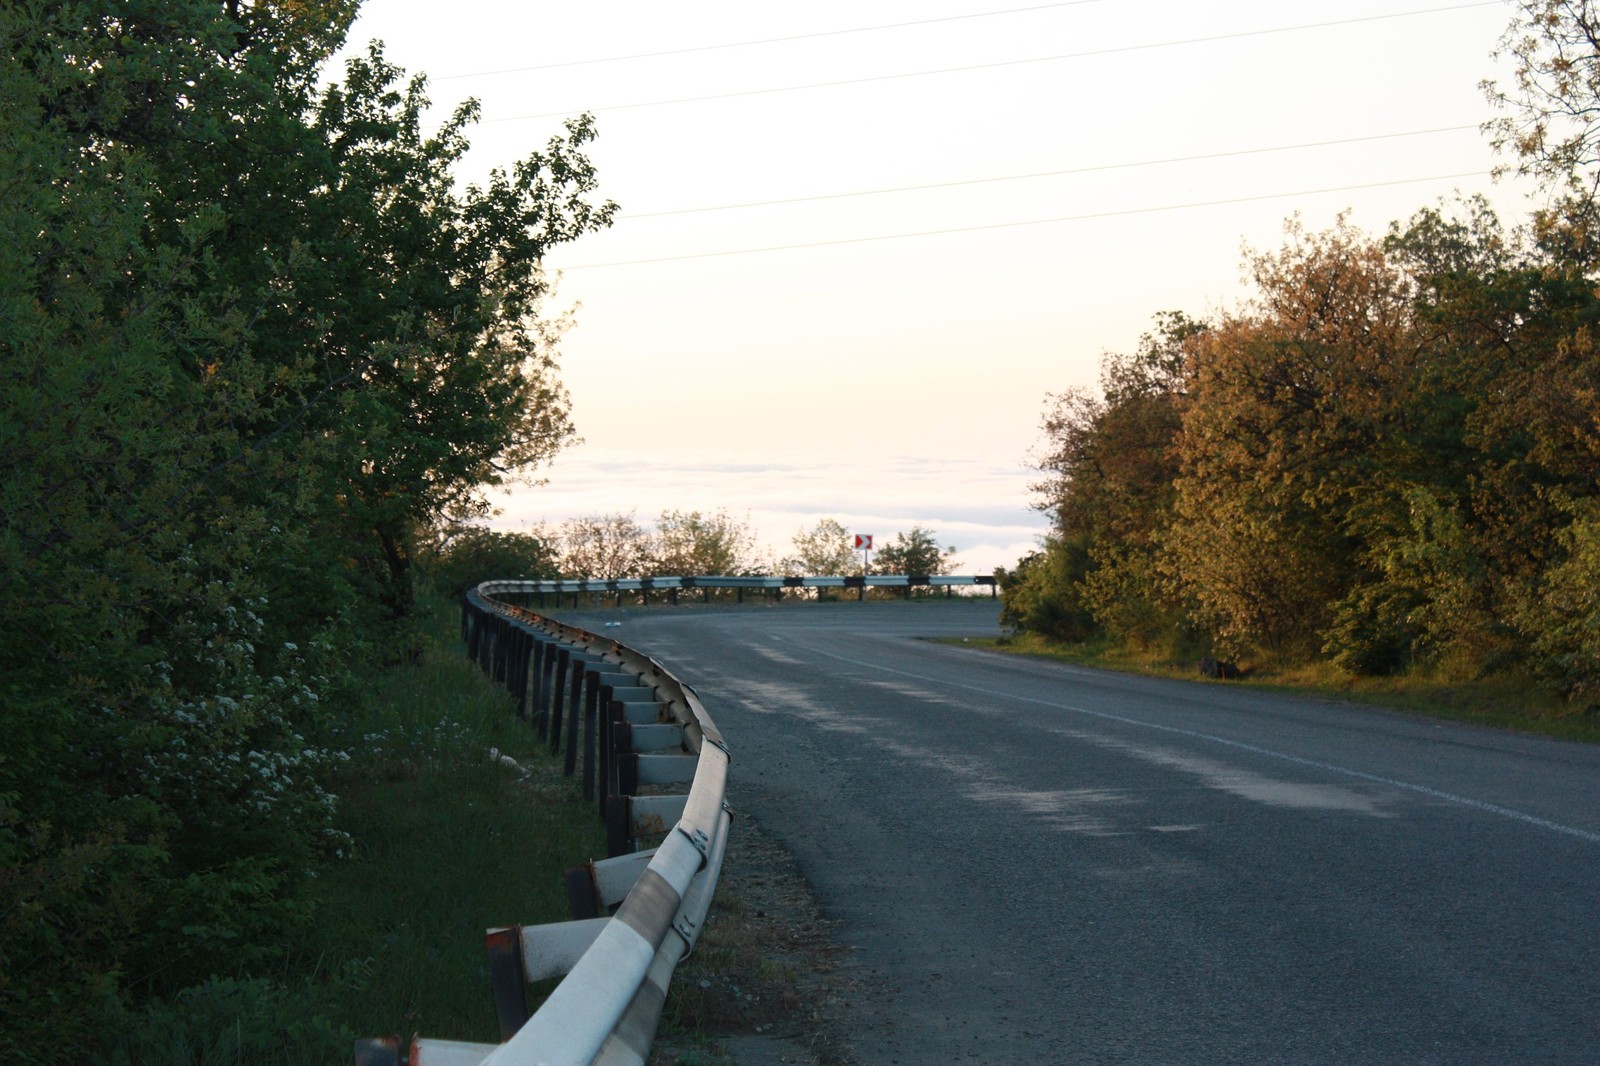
(1035, 863)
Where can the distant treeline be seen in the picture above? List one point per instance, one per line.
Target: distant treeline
(679, 543)
(1389, 459)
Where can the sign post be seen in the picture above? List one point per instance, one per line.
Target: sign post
(864, 542)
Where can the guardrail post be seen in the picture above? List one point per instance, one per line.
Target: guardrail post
(497, 658)
(547, 682)
(536, 686)
(620, 781)
(497, 650)
(591, 724)
(508, 657)
(628, 773)
(583, 895)
(519, 675)
(557, 693)
(574, 716)
(532, 682)
(619, 738)
(619, 825)
(603, 722)
(508, 980)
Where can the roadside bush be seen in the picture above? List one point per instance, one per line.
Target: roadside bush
(458, 562)
(1044, 594)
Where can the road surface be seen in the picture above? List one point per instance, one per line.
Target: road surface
(1039, 863)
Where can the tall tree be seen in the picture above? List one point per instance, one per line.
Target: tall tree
(824, 550)
(915, 553)
(465, 557)
(251, 336)
(1289, 411)
(688, 543)
(1549, 122)
(601, 547)
(1110, 461)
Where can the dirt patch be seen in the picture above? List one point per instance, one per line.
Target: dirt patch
(766, 981)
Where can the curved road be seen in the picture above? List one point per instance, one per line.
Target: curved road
(1040, 863)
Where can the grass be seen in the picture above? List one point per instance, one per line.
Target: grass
(445, 842)
(1505, 701)
(766, 966)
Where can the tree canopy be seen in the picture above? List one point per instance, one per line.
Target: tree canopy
(1389, 458)
(825, 550)
(254, 339)
(915, 553)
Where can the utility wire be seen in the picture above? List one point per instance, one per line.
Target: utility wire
(1026, 222)
(627, 216)
(765, 40)
(1120, 50)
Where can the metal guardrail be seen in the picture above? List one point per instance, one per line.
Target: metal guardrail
(765, 583)
(639, 725)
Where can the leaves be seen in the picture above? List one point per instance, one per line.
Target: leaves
(253, 339)
(1387, 458)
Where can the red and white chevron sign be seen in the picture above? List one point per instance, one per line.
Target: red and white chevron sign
(864, 541)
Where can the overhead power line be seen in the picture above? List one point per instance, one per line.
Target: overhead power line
(1041, 174)
(1092, 53)
(762, 41)
(1026, 222)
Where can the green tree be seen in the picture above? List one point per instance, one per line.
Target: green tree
(1562, 616)
(251, 339)
(825, 550)
(1044, 593)
(688, 543)
(1110, 462)
(915, 553)
(471, 555)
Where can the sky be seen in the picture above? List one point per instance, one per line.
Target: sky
(859, 244)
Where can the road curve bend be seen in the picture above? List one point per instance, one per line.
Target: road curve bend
(1033, 862)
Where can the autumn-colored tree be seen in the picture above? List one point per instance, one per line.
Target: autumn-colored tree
(1291, 408)
(1391, 455)
(1549, 127)
(1503, 431)
(1545, 433)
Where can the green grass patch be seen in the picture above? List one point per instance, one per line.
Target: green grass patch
(444, 842)
(1505, 701)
